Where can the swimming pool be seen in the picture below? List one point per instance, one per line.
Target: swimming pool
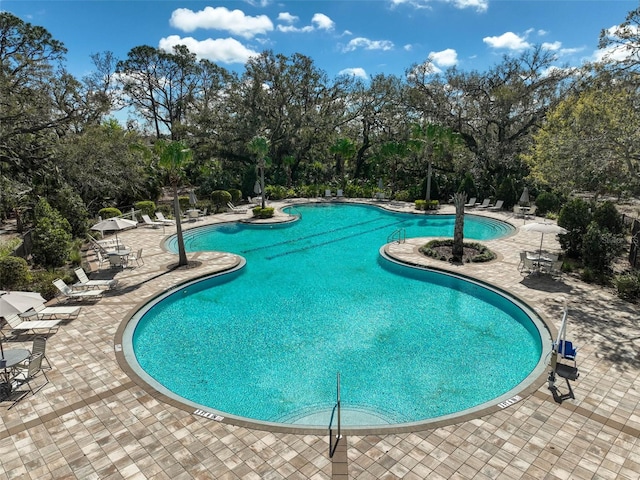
(315, 297)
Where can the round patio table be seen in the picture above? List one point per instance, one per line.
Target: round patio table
(10, 359)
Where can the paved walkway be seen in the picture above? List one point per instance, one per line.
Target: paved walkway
(93, 422)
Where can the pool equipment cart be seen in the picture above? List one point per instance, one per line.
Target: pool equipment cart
(563, 349)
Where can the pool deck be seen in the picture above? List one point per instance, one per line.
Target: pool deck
(92, 421)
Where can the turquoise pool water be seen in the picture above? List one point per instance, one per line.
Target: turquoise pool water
(316, 298)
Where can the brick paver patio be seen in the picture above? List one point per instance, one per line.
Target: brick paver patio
(93, 422)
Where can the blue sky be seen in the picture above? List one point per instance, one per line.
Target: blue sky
(358, 37)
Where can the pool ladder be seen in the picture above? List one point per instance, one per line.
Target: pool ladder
(336, 409)
(399, 236)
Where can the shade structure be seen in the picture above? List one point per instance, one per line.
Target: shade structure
(114, 224)
(18, 302)
(524, 198)
(192, 198)
(542, 227)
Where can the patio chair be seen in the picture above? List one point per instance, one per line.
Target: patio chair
(71, 294)
(166, 221)
(486, 203)
(39, 345)
(24, 377)
(471, 203)
(497, 206)
(339, 193)
(203, 213)
(84, 282)
(150, 223)
(136, 257)
(18, 325)
(531, 212)
(235, 209)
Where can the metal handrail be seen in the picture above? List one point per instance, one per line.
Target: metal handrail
(400, 233)
(297, 212)
(336, 408)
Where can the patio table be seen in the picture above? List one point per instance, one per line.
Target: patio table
(11, 358)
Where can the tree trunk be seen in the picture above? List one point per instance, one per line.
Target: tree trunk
(182, 254)
(428, 195)
(459, 199)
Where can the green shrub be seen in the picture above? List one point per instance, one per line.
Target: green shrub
(575, 217)
(607, 217)
(628, 286)
(109, 212)
(146, 207)
(14, 273)
(71, 206)
(433, 204)
(507, 192)
(307, 191)
(547, 202)
(420, 204)
(260, 212)
(184, 203)
(468, 186)
(51, 236)
(220, 198)
(42, 282)
(236, 195)
(600, 248)
(9, 246)
(278, 192)
(166, 209)
(404, 196)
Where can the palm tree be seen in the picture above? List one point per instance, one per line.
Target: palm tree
(459, 199)
(432, 142)
(259, 146)
(174, 157)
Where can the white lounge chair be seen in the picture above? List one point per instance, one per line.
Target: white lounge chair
(17, 324)
(150, 223)
(471, 203)
(235, 209)
(339, 193)
(85, 283)
(71, 294)
(497, 206)
(42, 312)
(486, 203)
(327, 193)
(166, 221)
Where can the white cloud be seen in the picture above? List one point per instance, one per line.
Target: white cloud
(408, 47)
(220, 18)
(287, 17)
(478, 5)
(366, 44)
(319, 21)
(508, 40)
(445, 58)
(322, 22)
(292, 29)
(555, 46)
(356, 72)
(542, 33)
(224, 50)
(618, 52)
